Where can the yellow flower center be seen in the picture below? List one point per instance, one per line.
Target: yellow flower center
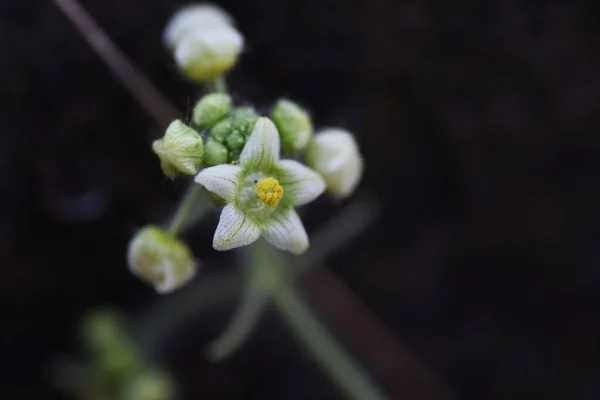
(269, 191)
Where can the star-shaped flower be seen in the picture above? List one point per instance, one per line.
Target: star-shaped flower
(261, 193)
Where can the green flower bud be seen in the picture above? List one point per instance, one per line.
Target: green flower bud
(232, 133)
(214, 153)
(180, 150)
(161, 260)
(221, 130)
(294, 126)
(118, 366)
(102, 329)
(236, 141)
(149, 384)
(206, 54)
(114, 355)
(210, 109)
(243, 120)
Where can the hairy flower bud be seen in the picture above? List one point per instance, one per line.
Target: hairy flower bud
(210, 109)
(206, 54)
(231, 133)
(243, 120)
(214, 153)
(180, 150)
(294, 126)
(161, 260)
(221, 130)
(335, 155)
(194, 17)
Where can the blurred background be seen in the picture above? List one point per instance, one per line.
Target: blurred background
(478, 124)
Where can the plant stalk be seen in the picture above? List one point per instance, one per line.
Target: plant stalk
(351, 380)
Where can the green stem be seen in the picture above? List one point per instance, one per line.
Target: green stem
(190, 209)
(218, 85)
(250, 309)
(313, 334)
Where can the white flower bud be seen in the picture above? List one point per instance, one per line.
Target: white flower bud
(206, 54)
(335, 155)
(194, 17)
(180, 150)
(161, 260)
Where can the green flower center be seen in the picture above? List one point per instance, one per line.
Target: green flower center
(260, 195)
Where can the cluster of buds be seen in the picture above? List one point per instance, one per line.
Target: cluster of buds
(204, 41)
(117, 366)
(235, 154)
(183, 150)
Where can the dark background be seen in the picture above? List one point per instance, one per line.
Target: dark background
(478, 124)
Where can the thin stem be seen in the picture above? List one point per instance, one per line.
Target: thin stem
(217, 85)
(250, 309)
(312, 333)
(157, 324)
(256, 295)
(155, 104)
(192, 208)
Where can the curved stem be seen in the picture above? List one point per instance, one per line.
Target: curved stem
(146, 94)
(250, 309)
(354, 383)
(192, 207)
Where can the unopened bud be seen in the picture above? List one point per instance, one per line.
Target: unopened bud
(214, 153)
(210, 109)
(221, 130)
(243, 120)
(294, 126)
(113, 353)
(180, 150)
(149, 384)
(194, 17)
(335, 155)
(161, 260)
(207, 54)
(232, 133)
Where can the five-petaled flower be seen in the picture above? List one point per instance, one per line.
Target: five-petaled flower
(261, 193)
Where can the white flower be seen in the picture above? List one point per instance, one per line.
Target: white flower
(261, 194)
(192, 18)
(335, 155)
(208, 53)
(161, 260)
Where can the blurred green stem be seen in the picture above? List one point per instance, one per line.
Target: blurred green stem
(192, 207)
(218, 85)
(250, 309)
(352, 382)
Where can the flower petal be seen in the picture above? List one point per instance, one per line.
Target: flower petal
(262, 147)
(304, 183)
(235, 229)
(173, 276)
(221, 180)
(285, 231)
